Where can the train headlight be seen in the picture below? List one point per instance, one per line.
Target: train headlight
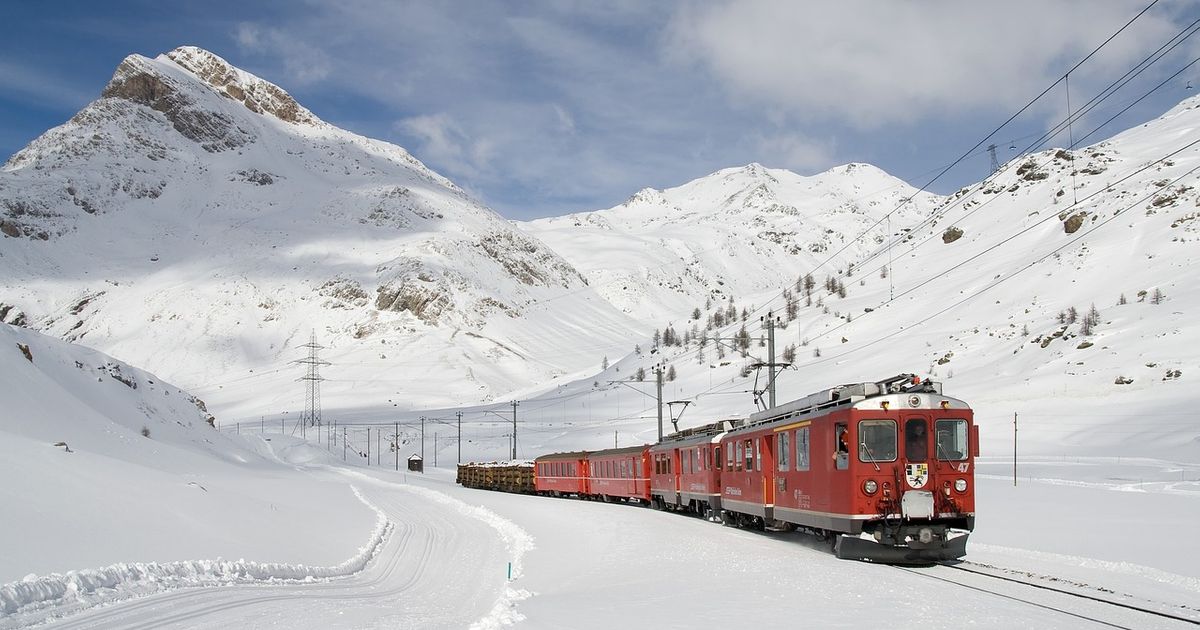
(870, 486)
(960, 485)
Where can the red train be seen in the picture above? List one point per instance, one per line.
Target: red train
(885, 470)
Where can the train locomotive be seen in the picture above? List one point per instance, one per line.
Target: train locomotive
(883, 470)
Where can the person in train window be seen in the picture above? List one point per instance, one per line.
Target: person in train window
(916, 445)
(841, 455)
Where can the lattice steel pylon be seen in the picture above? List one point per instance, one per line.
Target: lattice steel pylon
(312, 384)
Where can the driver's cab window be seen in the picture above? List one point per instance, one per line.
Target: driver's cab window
(952, 439)
(841, 446)
(916, 441)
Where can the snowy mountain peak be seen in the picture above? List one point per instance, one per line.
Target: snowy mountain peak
(190, 181)
(258, 95)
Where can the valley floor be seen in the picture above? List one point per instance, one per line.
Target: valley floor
(1105, 528)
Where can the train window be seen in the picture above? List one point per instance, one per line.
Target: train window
(738, 461)
(758, 454)
(916, 442)
(707, 458)
(841, 446)
(952, 439)
(717, 456)
(687, 461)
(749, 455)
(877, 441)
(729, 456)
(802, 448)
(784, 449)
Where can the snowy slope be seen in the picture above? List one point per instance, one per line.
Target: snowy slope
(735, 233)
(198, 222)
(105, 463)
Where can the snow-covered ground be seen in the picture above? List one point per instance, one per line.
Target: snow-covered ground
(195, 527)
(445, 561)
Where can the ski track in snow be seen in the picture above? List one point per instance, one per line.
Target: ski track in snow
(101, 597)
(516, 539)
(43, 598)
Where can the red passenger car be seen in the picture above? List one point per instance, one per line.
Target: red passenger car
(620, 473)
(886, 467)
(686, 470)
(561, 474)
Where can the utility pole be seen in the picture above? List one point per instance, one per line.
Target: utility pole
(1014, 449)
(343, 443)
(378, 444)
(770, 322)
(459, 437)
(435, 449)
(995, 163)
(396, 443)
(658, 370)
(368, 446)
(658, 378)
(422, 439)
(514, 450)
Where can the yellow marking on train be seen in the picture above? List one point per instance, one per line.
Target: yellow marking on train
(793, 426)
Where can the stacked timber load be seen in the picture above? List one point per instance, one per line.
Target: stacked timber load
(503, 476)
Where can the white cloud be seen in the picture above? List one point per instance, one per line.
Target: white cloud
(875, 62)
(443, 141)
(794, 152)
(302, 63)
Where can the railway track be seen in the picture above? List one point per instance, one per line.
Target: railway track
(999, 574)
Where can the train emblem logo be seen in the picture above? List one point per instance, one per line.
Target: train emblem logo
(917, 474)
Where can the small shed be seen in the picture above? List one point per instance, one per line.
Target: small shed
(416, 464)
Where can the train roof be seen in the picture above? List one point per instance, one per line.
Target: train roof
(625, 450)
(898, 392)
(573, 456)
(696, 434)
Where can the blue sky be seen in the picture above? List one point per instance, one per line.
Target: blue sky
(545, 108)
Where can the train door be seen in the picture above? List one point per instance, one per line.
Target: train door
(676, 469)
(766, 466)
